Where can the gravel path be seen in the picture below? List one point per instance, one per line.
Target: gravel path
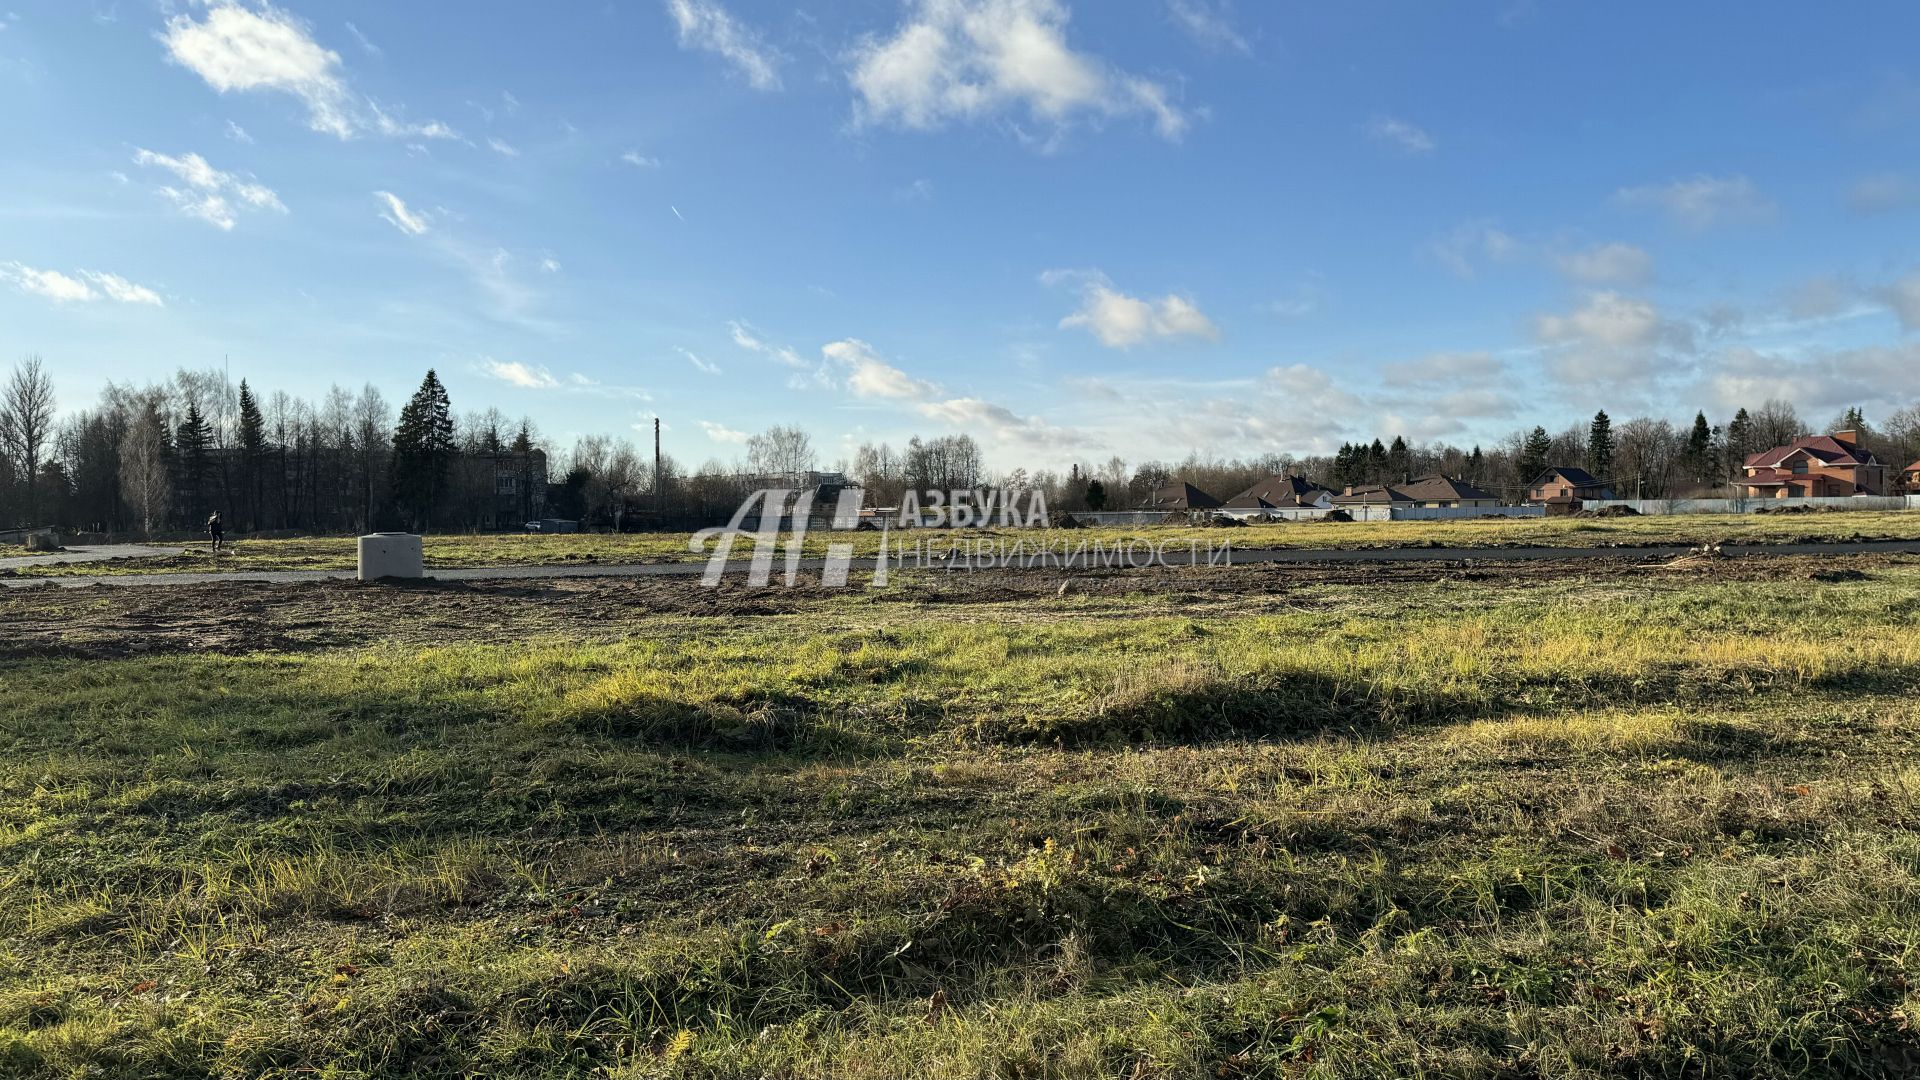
(861, 566)
(87, 553)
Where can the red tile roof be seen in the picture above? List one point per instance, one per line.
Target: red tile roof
(1825, 449)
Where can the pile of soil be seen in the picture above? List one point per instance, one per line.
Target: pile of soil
(1337, 515)
(1607, 512)
(1067, 521)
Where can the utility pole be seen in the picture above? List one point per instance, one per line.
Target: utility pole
(659, 484)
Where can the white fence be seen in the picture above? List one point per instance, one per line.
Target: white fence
(1749, 506)
(1393, 513)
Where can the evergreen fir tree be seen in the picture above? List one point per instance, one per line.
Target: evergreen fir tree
(423, 451)
(1600, 446)
(253, 443)
(1739, 441)
(1699, 454)
(1399, 461)
(1534, 454)
(191, 441)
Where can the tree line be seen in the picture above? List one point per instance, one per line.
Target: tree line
(162, 457)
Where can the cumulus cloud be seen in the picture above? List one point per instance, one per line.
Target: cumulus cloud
(211, 195)
(869, 376)
(1700, 202)
(1121, 321)
(1400, 135)
(1451, 368)
(1607, 318)
(705, 25)
(1872, 376)
(411, 222)
(501, 147)
(721, 433)
(1612, 338)
(522, 375)
(640, 161)
(966, 60)
(245, 47)
(89, 286)
(1608, 264)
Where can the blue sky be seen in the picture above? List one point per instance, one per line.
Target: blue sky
(1072, 230)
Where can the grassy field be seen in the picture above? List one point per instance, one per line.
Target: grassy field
(338, 553)
(1421, 821)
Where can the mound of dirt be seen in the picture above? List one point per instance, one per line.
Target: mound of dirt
(1607, 512)
(1068, 521)
(1337, 515)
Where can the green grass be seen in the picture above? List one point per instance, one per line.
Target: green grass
(1585, 827)
(338, 553)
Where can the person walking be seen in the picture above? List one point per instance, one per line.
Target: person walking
(216, 531)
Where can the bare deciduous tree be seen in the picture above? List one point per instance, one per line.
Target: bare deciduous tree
(144, 479)
(26, 420)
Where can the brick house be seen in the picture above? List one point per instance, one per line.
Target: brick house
(1910, 478)
(1566, 484)
(1814, 467)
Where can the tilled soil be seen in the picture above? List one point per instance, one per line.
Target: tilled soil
(241, 617)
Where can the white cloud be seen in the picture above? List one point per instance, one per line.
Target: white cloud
(1702, 201)
(366, 44)
(549, 265)
(211, 194)
(1209, 25)
(640, 161)
(500, 146)
(411, 222)
(122, 290)
(721, 433)
(1607, 318)
(1469, 242)
(1457, 369)
(972, 59)
(706, 366)
(258, 47)
(1121, 321)
(1400, 135)
(746, 337)
(66, 289)
(238, 134)
(1871, 376)
(869, 376)
(705, 25)
(1608, 264)
(519, 374)
(1903, 297)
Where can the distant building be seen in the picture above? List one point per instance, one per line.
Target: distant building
(517, 481)
(1815, 467)
(1566, 486)
(1434, 492)
(1282, 493)
(1182, 496)
(1911, 476)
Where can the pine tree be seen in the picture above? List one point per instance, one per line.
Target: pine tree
(1600, 446)
(1096, 495)
(1534, 454)
(1739, 441)
(1476, 466)
(1699, 454)
(253, 443)
(191, 440)
(423, 451)
(1399, 461)
(1377, 462)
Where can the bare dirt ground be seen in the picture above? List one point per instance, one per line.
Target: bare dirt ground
(237, 618)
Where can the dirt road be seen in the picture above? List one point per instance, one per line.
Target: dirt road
(862, 567)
